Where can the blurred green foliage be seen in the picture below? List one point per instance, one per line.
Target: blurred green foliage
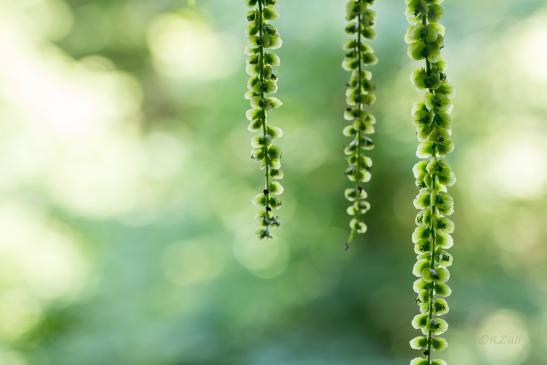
(127, 229)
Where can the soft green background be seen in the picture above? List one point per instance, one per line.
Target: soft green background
(126, 232)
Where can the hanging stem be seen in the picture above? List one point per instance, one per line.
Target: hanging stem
(359, 95)
(264, 130)
(358, 186)
(433, 176)
(263, 81)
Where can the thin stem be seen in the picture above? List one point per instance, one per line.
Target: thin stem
(358, 187)
(431, 290)
(264, 128)
(432, 227)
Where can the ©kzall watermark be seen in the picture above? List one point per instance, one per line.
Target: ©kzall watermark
(501, 339)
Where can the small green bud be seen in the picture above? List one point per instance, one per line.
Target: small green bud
(437, 102)
(440, 306)
(444, 240)
(445, 259)
(358, 226)
(419, 343)
(269, 13)
(275, 188)
(438, 343)
(438, 362)
(425, 150)
(444, 203)
(276, 174)
(420, 321)
(444, 224)
(422, 246)
(354, 194)
(423, 200)
(420, 233)
(419, 361)
(421, 284)
(443, 290)
(435, 12)
(272, 103)
(419, 267)
(437, 326)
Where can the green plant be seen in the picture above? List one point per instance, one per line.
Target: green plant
(262, 36)
(359, 95)
(432, 236)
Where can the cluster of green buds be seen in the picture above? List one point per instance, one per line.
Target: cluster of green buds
(359, 95)
(263, 37)
(432, 237)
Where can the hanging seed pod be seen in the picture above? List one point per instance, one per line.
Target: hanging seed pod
(262, 84)
(359, 96)
(432, 237)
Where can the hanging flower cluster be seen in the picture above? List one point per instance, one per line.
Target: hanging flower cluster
(359, 95)
(432, 237)
(262, 37)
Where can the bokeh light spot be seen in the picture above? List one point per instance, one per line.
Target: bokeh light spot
(187, 263)
(184, 46)
(265, 259)
(503, 338)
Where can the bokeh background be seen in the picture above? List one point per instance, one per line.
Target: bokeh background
(126, 229)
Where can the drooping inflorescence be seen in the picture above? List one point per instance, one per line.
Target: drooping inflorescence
(359, 95)
(263, 37)
(432, 236)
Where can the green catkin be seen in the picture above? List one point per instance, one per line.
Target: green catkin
(432, 237)
(262, 38)
(359, 96)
